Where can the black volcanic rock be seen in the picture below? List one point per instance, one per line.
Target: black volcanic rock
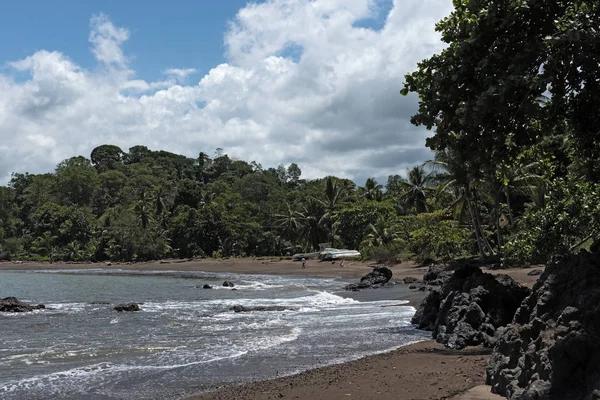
(12, 304)
(127, 307)
(469, 306)
(375, 279)
(551, 350)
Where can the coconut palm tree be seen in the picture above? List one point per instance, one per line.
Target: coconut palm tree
(416, 188)
(371, 190)
(143, 209)
(461, 180)
(288, 223)
(312, 228)
(380, 232)
(334, 193)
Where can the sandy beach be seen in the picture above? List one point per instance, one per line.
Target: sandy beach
(419, 371)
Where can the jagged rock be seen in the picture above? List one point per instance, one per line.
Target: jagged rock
(228, 284)
(468, 308)
(260, 308)
(11, 304)
(535, 272)
(411, 279)
(127, 307)
(551, 349)
(375, 279)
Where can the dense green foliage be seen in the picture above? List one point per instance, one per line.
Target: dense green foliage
(145, 204)
(513, 99)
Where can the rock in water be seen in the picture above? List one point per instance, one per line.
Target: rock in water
(228, 284)
(11, 304)
(468, 308)
(377, 278)
(127, 307)
(552, 348)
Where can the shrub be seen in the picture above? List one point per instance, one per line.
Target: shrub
(570, 216)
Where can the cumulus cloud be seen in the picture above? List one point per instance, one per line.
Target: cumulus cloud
(180, 73)
(304, 82)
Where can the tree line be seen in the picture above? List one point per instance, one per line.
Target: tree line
(512, 101)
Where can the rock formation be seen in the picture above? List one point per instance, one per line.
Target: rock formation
(375, 279)
(552, 348)
(11, 304)
(468, 305)
(228, 284)
(127, 307)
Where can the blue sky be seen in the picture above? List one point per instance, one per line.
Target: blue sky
(314, 82)
(184, 34)
(181, 34)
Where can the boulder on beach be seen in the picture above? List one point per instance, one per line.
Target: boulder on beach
(206, 286)
(410, 279)
(375, 279)
(260, 308)
(228, 284)
(468, 308)
(535, 272)
(127, 307)
(551, 349)
(12, 304)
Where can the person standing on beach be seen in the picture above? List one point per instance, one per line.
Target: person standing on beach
(303, 263)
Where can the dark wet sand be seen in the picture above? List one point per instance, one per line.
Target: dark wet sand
(416, 372)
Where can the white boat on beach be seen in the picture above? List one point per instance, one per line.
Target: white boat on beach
(328, 253)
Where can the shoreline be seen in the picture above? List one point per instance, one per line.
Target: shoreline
(422, 370)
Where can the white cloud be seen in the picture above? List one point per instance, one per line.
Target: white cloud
(302, 84)
(180, 73)
(106, 40)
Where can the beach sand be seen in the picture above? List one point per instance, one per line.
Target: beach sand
(419, 371)
(423, 370)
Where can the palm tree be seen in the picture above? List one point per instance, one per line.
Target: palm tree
(334, 192)
(519, 180)
(44, 244)
(371, 190)
(312, 228)
(288, 223)
(380, 232)
(461, 180)
(143, 210)
(416, 188)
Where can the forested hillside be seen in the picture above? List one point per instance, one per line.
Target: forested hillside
(145, 204)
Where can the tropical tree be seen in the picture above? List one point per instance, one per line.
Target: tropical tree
(334, 193)
(416, 188)
(462, 180)
(372, 190)
(312, 228)
(381, 232)
(288, 223)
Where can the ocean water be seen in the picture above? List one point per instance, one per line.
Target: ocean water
(186, 339)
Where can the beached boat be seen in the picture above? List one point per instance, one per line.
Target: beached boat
(328, 253)
(337, 254)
